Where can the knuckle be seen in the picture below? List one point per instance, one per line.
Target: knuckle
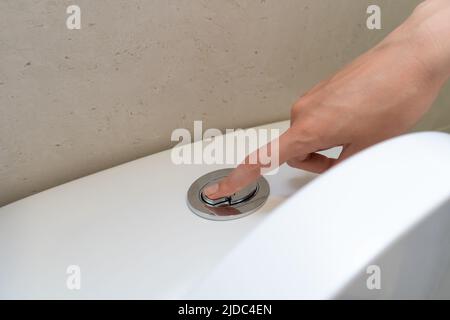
(297, 108)
(304, 140)
(305, 131)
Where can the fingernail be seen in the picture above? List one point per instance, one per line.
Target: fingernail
(210, 190)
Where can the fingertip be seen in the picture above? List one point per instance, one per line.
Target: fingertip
(210, 190)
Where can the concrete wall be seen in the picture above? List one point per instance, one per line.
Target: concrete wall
(73, 102)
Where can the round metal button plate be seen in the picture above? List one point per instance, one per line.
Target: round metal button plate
(238, 205)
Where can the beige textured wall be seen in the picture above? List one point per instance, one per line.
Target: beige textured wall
(73, 102)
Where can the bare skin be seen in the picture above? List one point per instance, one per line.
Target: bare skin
(381, 94)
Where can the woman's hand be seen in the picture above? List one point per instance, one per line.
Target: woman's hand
(381, 94)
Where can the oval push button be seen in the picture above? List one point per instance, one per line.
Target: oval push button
(238, 197)
(215, 202)
(238, 205)
(244, 194)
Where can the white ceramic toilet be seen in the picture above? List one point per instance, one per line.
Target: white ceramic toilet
(375, 226)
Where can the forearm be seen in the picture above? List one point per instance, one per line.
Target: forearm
(427, 32)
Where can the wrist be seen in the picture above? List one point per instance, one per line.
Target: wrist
(428, 35)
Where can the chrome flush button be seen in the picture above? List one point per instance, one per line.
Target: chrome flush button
(238, 205)
(241, 196)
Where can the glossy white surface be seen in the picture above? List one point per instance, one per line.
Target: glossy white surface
(128, 228)
(388, 206)
(131, 233)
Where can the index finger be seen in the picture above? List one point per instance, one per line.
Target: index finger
(247, 172)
